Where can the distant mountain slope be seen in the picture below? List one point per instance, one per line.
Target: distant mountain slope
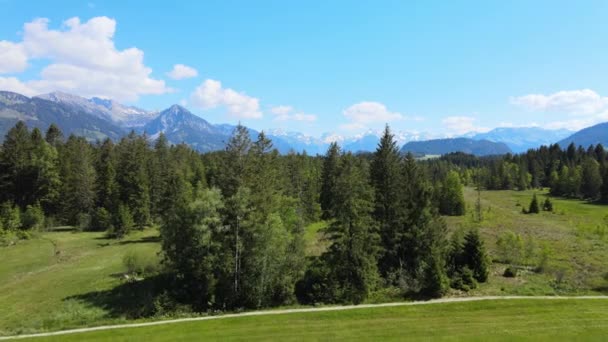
(181, 126)
(110, 110)
(521, 139)
(40, 113)
(466, 145)
(593, 135)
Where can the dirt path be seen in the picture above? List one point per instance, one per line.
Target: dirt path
(289, 311)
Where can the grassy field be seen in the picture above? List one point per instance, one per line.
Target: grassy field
(46, 280)
(471, 321)
(64, 279)
(574, 236)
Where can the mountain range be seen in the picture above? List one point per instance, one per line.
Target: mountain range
(97, 119)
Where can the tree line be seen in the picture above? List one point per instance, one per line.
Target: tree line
(573, 172)
(232, 222)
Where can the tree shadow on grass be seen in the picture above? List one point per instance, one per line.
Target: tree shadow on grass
(134, 299)
(146, 239)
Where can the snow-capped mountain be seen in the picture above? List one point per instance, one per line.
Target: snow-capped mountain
(118, 113)
(520, 139)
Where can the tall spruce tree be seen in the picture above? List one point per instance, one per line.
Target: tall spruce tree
(329, 178)
(352, 254)
(591, 179)
(78, 174)
(106, 186)
(385, 179)
(133, 178)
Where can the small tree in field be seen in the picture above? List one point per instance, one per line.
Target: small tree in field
(534, 208)
(548, 205)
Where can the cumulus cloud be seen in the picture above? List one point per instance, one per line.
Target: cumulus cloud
(458, 125)
(83, 60)
(281, 110)
(181, 71)
(13, 57)
(579, 102)
(365, 113)
(210, 94)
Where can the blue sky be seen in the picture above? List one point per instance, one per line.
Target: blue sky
(445, 67)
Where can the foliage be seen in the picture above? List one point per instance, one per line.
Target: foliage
(534, 207)
(33, 217)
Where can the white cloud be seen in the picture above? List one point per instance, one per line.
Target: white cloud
(181, 72)
(12, 57)
(458, 125)
(210, 94)
(285, 113)
(365, 113)
(579, 102)
(281, 110)
(85, 61)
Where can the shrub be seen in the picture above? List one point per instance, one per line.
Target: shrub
(138, 263)
(548, 205)
(510, 247)
(464, 280)
(10, 216)
(534, 209)
(84, 221)
(33, 217)
(510, 272)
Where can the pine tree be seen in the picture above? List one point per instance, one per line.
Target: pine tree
(78, 174)
(190, 245)
(235, 161)
(352, 254)
(534, 207)
(16, 182)
(475, 256)
(106, 186)
(46, 182)
(133, 180)
(329, 175)
(54, 136)
(385, 178)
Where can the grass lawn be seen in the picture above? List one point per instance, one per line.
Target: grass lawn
(472, 321)
(42, 278)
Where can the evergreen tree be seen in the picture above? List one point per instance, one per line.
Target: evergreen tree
(106, 186)
(385, 178)
(235, 161)
(133, 178)
(329, 178)
(190, 246)
(534, 207)
(54, 136)
(352, 254)
(474, 256)
(16, 182)
(548, 205)
(78, 174)
(44, 166)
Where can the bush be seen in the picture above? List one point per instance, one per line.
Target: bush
(510, 247)
(33, 217)
(464, 280)
(138, 263)
(548, 205)
(534, 209)
(510, 272)
(10, 216)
